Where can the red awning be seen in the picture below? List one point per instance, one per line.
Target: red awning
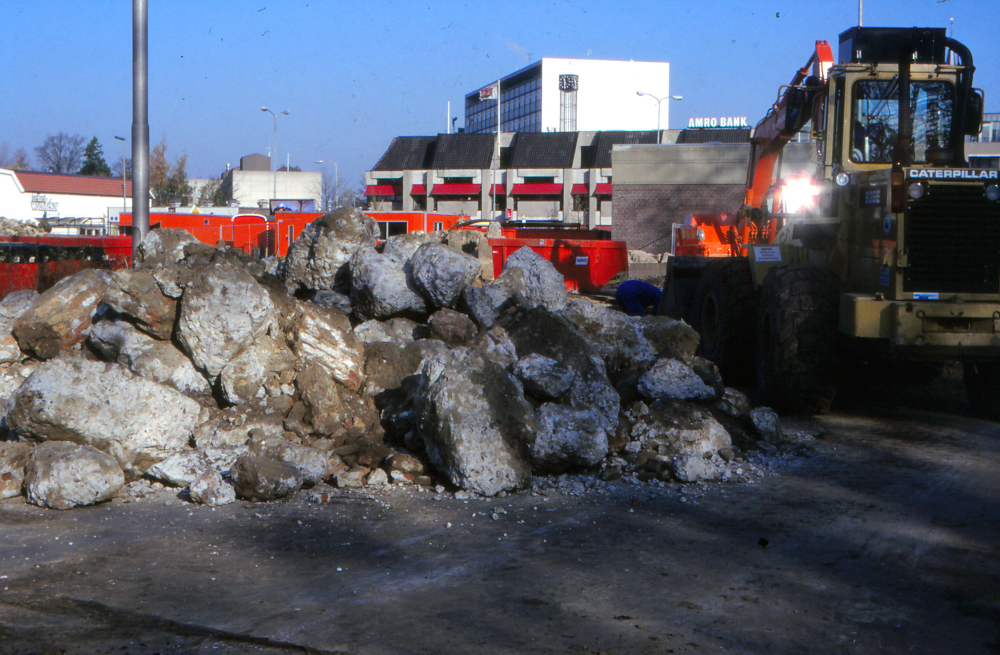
(603, 189)
(418, 190)
(380, 190)
(580, 189)
(456, 190)
(537, 189)
(498, 188)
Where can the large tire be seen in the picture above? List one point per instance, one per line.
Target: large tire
(726, 318)
(798, 340)
(982, 384)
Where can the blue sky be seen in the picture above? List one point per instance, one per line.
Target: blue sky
(353, 75)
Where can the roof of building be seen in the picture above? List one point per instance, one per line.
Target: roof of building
(408, 153)
(464, 151)
(543, 150)
(600, 151)
(715, 135)
(76, 185)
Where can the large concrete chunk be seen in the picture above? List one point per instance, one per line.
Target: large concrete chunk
(163, 247)
(222, 312)
(13, 458)
(674, 427)
(260, 478)
(64, 475)
(380, 288)
(442, 273)
(670, 378)
(543, 284)
(325, 337)
(136, 294)
(475, 422)
(135, 420)
(318, 258)
(11, 309)
(539, 332)
(567, 438)
(159, 361)
(60, 317)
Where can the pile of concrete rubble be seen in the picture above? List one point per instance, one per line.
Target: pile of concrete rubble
(230, 377)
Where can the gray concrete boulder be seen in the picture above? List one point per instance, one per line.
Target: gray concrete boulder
(673, 427)
(442, 273)
(11, 309)
(495, 343)
(474, 422)
(451, 327)
(164, 247)
(695, 468)
(185, 466)
(403, 246)
(119, 341)
(11, 379)
(766, 424)
(670, 378)
(62, 475)
(241, 379)
(318, 258)
(475, 244)
(136, 294)
(326, 337)
(261, 478)
(210, 489)
(60, 317)
(312, 464)
(567, 439)
(485, 304)
(381, 289)
(542, 283)
(542, 377)
(13, 458)
(541, 332)
(398, 330)
(321, 395)
(733, 403)
(137, 421)
(222, 312)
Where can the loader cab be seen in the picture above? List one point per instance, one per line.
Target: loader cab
(865, 121)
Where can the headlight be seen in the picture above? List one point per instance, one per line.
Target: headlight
(842, 179)
(916, 190)
(700, 233)
(993, 192)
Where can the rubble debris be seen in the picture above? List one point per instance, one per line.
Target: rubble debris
(228, 377)
(63, 475)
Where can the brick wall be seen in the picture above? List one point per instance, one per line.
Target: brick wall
(644, 212)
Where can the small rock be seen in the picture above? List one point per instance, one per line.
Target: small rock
(210, 489)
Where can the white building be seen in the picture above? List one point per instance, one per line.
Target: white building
(93, 201)
(570, 95)
(253, 184)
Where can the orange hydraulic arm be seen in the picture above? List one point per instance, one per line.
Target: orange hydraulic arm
(785, 118)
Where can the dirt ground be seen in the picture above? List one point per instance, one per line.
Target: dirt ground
(880, 535)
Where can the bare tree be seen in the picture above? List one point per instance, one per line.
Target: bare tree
(16, 161)
(61, 153)
(329, 192)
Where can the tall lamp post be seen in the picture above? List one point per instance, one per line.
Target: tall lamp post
(124, 205)
(336, 180)
(659, 137)
(274, 191)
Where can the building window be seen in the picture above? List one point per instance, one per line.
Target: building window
(438, 226)
(568, 85)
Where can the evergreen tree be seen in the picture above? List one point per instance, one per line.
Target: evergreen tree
(93, 160)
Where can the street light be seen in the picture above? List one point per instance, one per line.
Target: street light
(274, 192)
(659, 137)
(336, 180)
(122, 139)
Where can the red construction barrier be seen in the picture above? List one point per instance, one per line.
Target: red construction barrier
(39, 262)
(587, 265)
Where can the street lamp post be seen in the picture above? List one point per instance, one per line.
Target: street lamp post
(336, 180)
(124, 205)
(659, 137)
(274, 191)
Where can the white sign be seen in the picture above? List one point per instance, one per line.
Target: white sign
(767, 253)
(40, 203)
(718, 121)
